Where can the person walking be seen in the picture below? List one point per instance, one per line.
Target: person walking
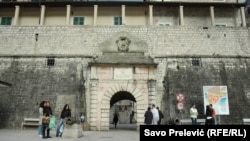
(155, 115)
(193, 114)
(148, 116)
(40, 127)
(161, 116)
(132, 116)
(115, 119)
(65, 115)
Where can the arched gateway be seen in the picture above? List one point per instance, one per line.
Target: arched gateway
(121, 71)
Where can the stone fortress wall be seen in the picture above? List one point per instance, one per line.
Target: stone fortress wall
(223, 52)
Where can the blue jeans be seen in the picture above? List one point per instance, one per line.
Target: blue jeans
(40, 129)
(61, 123)
(194, 121)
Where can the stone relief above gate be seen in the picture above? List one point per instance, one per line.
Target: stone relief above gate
(123, 44)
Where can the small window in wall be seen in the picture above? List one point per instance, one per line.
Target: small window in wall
(164, 24)
(117, 20)
(196, 61)
(221, 25)
(6, 20)
(78, 21)
(50, 61)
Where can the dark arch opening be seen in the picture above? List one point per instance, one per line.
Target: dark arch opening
(122, 95)
(122, 103)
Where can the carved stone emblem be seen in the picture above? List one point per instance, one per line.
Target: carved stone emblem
(123, 44)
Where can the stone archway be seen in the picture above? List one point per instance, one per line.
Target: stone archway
(100, 101)
(137, 93)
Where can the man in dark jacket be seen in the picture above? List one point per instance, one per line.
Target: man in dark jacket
(148, 116)
(161, 116)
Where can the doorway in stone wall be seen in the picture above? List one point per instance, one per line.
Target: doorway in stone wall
(123, 103)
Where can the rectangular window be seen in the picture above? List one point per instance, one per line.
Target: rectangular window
(220, 24)
(196, 61)
(117, 20)
(78, 21)
(50, 61)
(6, 20)
(163, 24)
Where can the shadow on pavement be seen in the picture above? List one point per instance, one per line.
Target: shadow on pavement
(123, 127)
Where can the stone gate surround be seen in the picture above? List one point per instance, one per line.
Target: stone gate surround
(108, 83)
(122, 67)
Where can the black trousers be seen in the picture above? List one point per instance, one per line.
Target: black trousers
(44, 127)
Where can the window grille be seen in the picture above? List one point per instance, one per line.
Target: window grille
(196, 61)
(50, 61)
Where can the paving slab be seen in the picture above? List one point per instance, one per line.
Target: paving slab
(121, 133)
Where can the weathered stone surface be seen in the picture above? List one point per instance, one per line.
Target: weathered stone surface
(224, 55)
(73, 131)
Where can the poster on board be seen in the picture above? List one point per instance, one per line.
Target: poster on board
(218, 96)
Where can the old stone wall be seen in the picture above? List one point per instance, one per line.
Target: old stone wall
(33, 81)
(88, 41)
(182, 77)
(224, 53)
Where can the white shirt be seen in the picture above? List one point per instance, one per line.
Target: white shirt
(155, 112)
(193, 113)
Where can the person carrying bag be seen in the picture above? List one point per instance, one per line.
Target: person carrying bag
(47, 113)
(65, 116)
(52, 123)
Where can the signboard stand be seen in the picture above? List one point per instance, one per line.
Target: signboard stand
(180, 103)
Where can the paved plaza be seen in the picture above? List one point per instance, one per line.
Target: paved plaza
(121, 133)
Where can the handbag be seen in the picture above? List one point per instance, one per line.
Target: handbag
(45, 120)
(69, 121)
(52, 123)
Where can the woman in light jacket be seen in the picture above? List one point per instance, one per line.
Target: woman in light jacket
(40, 132)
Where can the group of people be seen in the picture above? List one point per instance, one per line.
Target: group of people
(45, 113)
(45, 116)
(153, 115)
(210, 115)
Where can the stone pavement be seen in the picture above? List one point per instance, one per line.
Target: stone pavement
(124, 132)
